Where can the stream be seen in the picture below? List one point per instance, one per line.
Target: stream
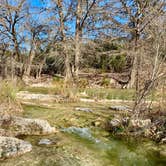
(78, 143)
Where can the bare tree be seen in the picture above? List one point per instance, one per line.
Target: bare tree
(154, 51)
(11, 17)
(82, 13)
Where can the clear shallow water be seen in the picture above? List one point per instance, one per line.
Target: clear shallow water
(78, 146)
(120, 152)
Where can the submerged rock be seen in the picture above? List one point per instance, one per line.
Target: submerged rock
(46, 142)
(82, 132)
(25, 126)
(84, 109)
(10, 147)
(120, 108)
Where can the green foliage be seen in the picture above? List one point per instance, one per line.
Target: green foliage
(107, 46)
(118, 62)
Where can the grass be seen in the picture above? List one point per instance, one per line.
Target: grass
(92, 93)
(102, 93)
(8, 91)
(108, 93)
(65, 115)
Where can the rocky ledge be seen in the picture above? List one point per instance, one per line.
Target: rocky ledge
(154, 130)
(10, 147)
(25, 126)
(11, 126)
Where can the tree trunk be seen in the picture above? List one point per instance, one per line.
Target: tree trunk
(78, 34)
(41, 67)
(29, 63)
(68, 75)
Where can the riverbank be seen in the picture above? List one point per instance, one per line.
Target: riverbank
(83, 137)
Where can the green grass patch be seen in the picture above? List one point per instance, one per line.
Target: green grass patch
(107, 93)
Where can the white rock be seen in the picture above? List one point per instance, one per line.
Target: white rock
(84, 109)
(10, 147)
(25, 126)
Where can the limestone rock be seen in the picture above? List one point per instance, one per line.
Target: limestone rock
(25, 126)
(10, 147)
(45, 142)
(120, 108)
(84, 109)
(114, 123)
(6, 133)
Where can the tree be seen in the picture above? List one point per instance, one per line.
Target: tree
(37, 37)
(12, 17)
(154, 53)
(83, 10)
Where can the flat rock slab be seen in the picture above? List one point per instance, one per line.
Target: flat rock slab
(120, 108)
(11, 147)
(83, 109)
(46, 141)
(25, 126)
(25, 96)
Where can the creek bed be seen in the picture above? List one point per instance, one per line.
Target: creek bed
(75, 149)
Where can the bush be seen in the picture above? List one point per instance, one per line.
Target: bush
(118, 62)
(8, 91)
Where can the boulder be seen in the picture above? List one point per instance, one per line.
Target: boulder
(10, 147)
(114, 123)
(25, 126)
(117, 122)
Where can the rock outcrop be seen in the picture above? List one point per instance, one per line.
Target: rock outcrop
(25, 126)
(10, 147)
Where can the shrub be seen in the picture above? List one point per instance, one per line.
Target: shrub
(118, 62)
(8, 91)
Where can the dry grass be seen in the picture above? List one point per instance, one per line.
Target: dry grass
(8, 102)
